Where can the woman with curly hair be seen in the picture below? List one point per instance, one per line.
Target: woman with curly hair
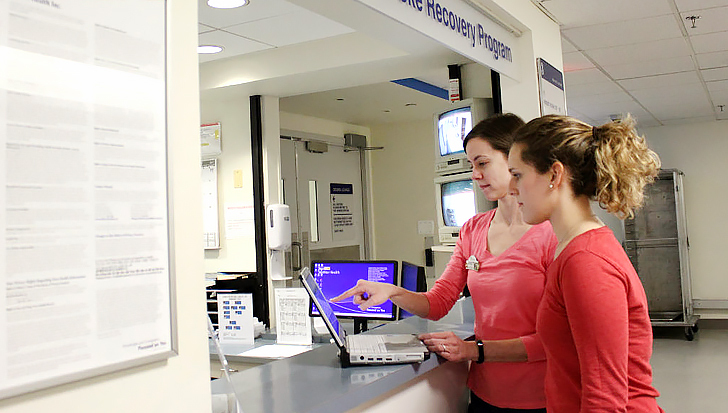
(593, 318)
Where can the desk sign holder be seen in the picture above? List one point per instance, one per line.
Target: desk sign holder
(235, 318)
(294, 324)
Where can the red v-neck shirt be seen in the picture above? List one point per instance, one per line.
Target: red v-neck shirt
(596, 330)
(506, 291)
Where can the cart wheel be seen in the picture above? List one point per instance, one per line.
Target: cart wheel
(695, 328)
(689, 335)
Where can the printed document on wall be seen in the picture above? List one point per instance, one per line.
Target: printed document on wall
(84, 185)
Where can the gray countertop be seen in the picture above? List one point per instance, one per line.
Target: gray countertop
(315, 381)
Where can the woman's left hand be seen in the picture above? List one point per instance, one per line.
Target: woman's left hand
(450, 346)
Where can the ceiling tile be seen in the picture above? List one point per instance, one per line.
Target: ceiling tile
(710, 21)
(716, 59)
(640, 52)
(598, 110)
(720, 97)
(683, 121)
(720, 73)
(624, 32)
(566, 46)
(652, 67)
(586, 12)
(575, 61)
(680, 111)
(580, 116)
(586, 76)
(301, 26)
(232, 45)
(689, 5)
(603, 98)
(647, 122)
(674, 79)
(669, 94)
(255, 10)
(717, 86)
(708, 43)
(585, 89)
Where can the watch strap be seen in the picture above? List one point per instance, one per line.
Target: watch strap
(481, 351)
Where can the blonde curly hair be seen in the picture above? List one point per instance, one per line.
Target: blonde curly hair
(610, 163)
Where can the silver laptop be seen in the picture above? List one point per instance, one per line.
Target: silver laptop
(364, 349)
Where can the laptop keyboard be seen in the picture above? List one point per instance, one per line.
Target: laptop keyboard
(366, 344)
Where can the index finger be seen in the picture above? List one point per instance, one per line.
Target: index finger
(355, 290)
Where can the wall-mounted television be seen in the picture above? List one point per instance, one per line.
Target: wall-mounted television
(458, 199)
(451, 127)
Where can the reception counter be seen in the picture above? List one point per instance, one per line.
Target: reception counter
(314, 381)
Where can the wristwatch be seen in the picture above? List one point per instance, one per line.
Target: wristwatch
(481, 351)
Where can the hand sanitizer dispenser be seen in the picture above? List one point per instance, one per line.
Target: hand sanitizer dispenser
(278, 223)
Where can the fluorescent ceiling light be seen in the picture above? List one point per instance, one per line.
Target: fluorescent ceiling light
(226, 4)
(208, 49)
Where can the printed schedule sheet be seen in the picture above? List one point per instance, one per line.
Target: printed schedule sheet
(85, 242)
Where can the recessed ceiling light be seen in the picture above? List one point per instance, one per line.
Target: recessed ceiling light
(209, 49)
(226, 4)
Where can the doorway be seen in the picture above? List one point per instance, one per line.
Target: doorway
(323, 186)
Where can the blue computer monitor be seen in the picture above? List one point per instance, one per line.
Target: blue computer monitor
(335, 277)
(413, 279)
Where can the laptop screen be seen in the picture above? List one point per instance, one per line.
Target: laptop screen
(322, 304)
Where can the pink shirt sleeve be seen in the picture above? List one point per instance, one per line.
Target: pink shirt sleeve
(595, 296)
(534, 347)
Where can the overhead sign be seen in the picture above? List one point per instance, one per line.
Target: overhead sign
(458, 26)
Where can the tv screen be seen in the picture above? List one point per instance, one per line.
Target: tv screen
(452, 127)
(335, 277)
(458, 202)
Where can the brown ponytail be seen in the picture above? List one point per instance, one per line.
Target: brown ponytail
(610, 163)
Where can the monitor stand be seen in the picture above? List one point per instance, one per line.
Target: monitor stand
(360, 325)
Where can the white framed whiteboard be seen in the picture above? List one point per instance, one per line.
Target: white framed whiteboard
(86, 229)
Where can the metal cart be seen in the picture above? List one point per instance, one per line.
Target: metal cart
(656, 242)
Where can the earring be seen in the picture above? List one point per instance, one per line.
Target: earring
(551, 186)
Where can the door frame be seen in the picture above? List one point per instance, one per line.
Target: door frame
(365, 178)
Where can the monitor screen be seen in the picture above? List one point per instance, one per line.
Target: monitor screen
(413, 279)
(452, 127)
(335, 277)
(458, 202)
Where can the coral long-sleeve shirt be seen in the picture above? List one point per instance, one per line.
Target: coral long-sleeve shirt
(596, 330)
(506, 291)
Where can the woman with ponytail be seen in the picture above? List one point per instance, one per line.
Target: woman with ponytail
(593, 319)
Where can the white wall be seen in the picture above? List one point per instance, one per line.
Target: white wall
(542, 38)
(319, 126)
(237, 254)
(180, 384)
(403, 191)
(700, 151)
